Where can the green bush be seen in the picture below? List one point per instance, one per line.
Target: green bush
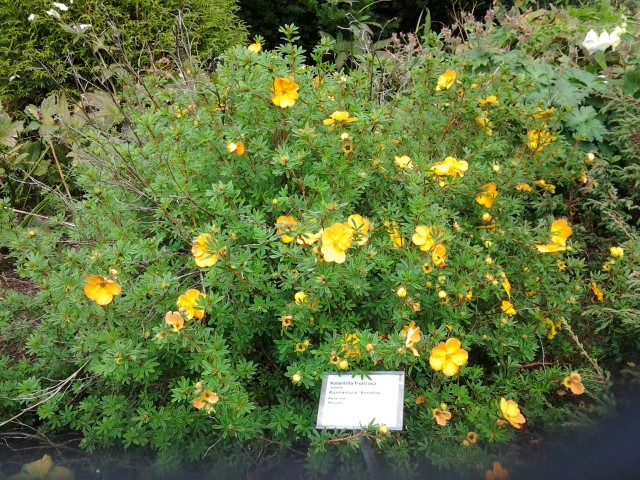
(44, 53)
(245, 231)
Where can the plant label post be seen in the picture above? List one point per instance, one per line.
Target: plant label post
(353, 401)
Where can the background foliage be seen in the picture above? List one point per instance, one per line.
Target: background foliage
(149, 167)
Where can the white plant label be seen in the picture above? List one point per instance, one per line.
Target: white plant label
(349, 401)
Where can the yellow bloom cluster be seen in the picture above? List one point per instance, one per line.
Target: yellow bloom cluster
(204, 252)
(190, 304)
(538, 139)
(285, 92)
(429, 240)
(450, 167)
(511, 413)
(339, 117)
(488, 195)
(337, 238)
(448, 357)
(573, 382)
(446, 80)
(100, 289)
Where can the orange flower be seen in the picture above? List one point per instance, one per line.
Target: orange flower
(175, 320)
(101, 290)
(411, 335)
(448, 357)
(596, 291)
(438, 255)
(203, 253)
(488, 195)
(395, 237)
(524, 187)
(573, 382)
(450, 166)
(189, 304)
(285, 92)
(511, 413)
(544, 113)
(442, 415)
(285, 224)
(508, 308)
(335, 241)
(498, 473)
(206, 399)
(446, 80)
(236, 147)
(550, 248)
(426, 237)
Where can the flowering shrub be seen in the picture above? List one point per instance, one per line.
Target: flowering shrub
(276, 220)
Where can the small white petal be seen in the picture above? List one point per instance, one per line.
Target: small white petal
(53, 13)
(60, 6)
(31, 17)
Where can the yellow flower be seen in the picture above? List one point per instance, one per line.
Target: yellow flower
(202, 251)
(236, 147)
(596, 291)
(438, 255)
(411, 334)
(482, 120)
(286, 320)
(617, 252)
(547, 187)
(511, 413)
(573, 382)
(175, 320)
(285, 224)
(395, 237)
(544, 113)
(350, 347)
(255, 47)
(188, 304)
(550, 248)
(446, 80)
(285, 92)
(101, 290)
(442, 416)
(300, 298)
(508, 308)
(448, 357)
(361, 227)
(296, 378)
(490, 100)
(497, 473)
(43, 469)
(206, 399)
(472, 437)
(401, 292)
(450, 166)
(538, 139)
(507, 286)
(335, 241)
(300, 347)
(487, 217)
(339, 117)
(488, 195)
(426, 237)
(343, 365)
(404, 162)
(560, 232)
(524, 187)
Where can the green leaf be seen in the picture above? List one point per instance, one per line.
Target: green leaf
(585, 125)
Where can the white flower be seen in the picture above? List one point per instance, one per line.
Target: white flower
(60, 6)
(31, 17)
(53, 13)
(81, 27)
(13, 77)
(591, 41)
